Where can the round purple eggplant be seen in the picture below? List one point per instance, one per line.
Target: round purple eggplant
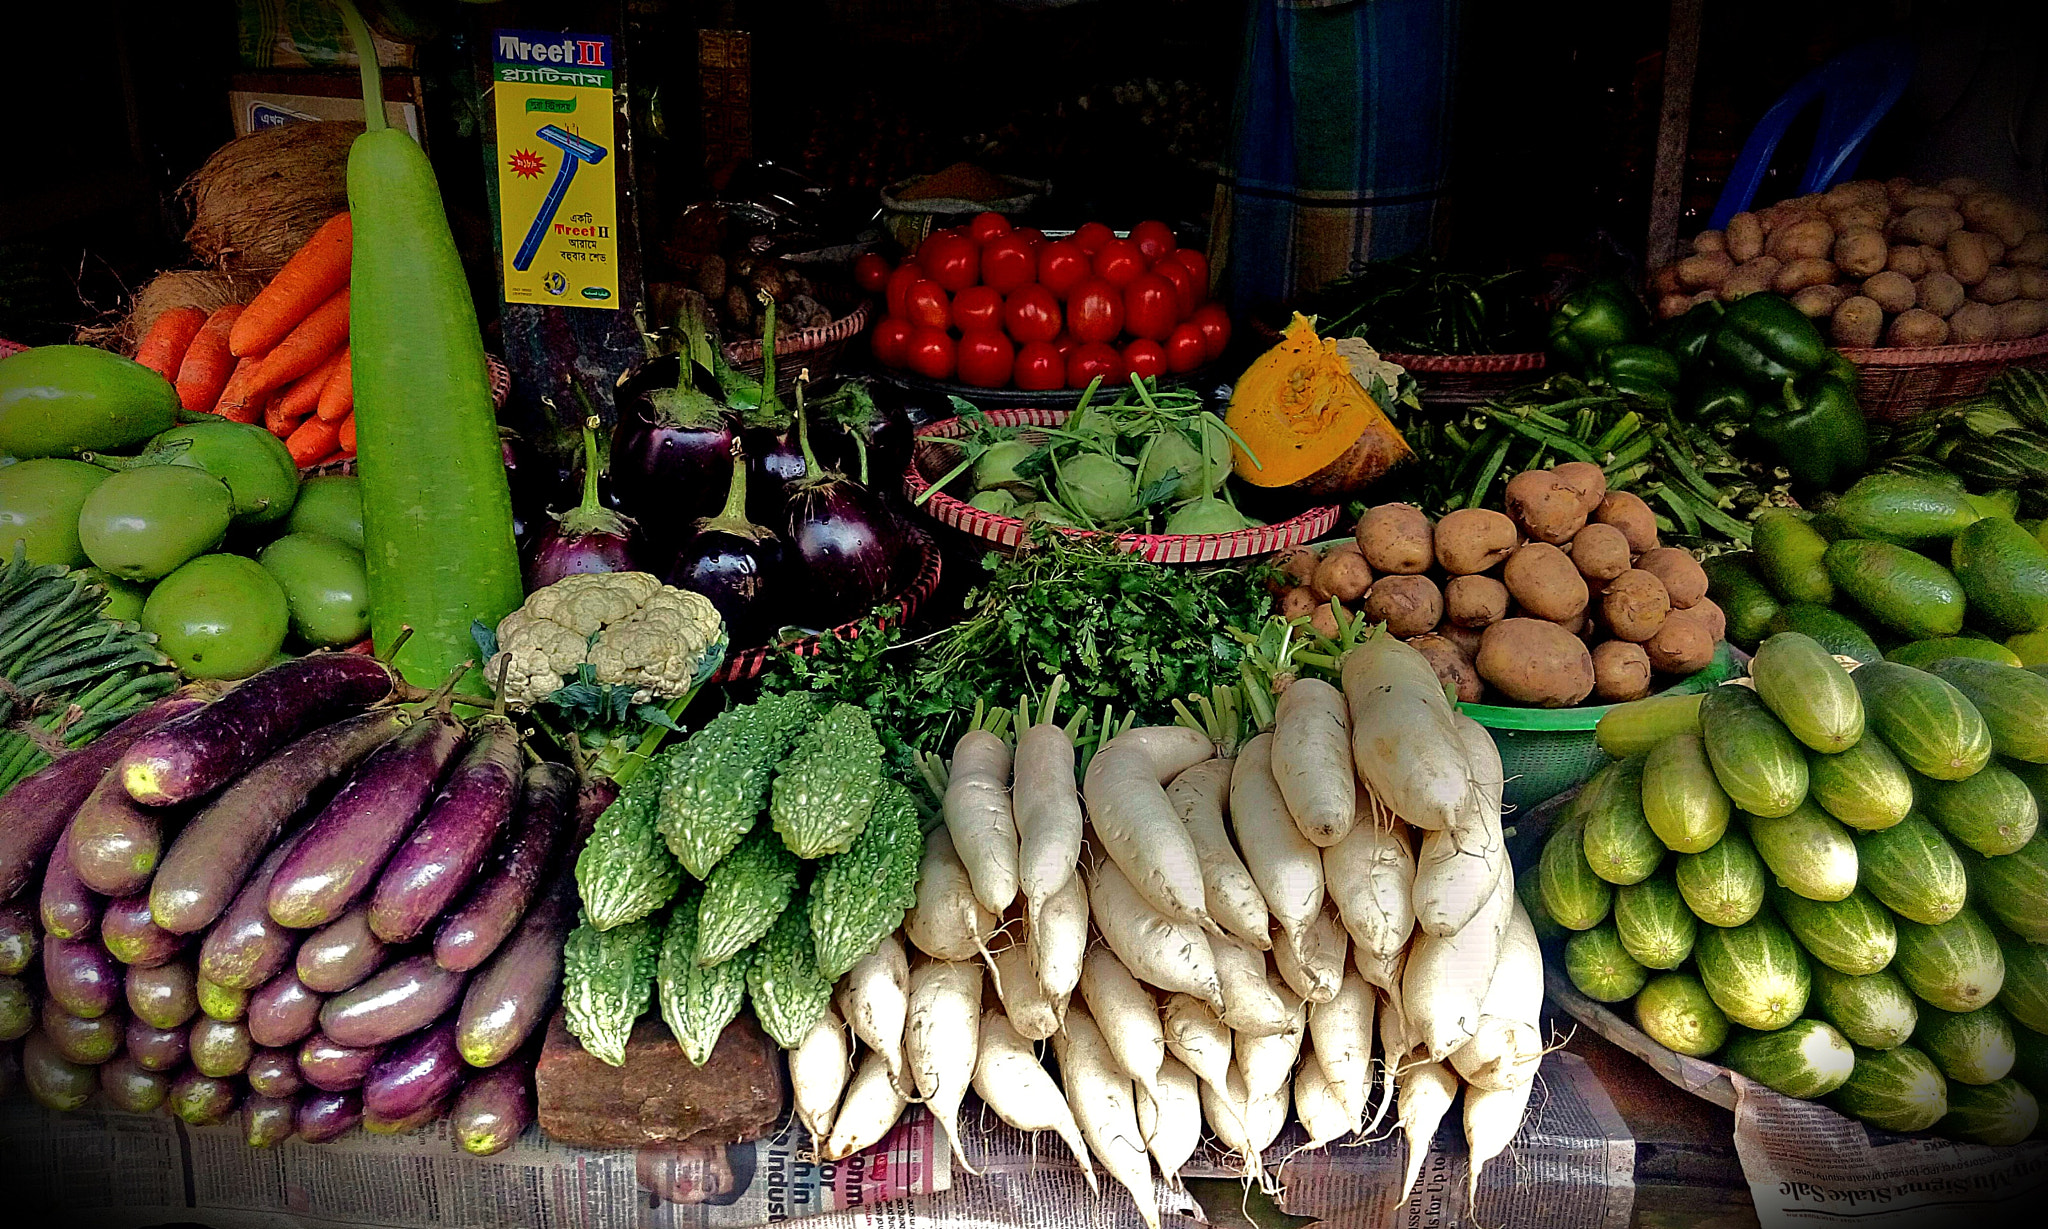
(671, 447)
(588, 537)
(734, 562)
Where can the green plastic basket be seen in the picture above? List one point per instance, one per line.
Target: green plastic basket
(1546, 751)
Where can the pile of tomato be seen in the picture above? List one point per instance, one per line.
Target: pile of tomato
(997, 306)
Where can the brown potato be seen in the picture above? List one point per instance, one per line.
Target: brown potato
(1473, 540)
(1750, 277)
(1907, 259)
(1342, 574)
(1973, 324)
(1917, 327)
(1858, 322)
(1408, 605)
(1968, 258)
(1542, 578)
(1324, 621)
(1709, 241)
(1807, 271)
(1939, 293)
(1868, 193)
(1960, 186)
(1396, 538)
(1475, 601)
(1684, 644)
(1627, 512)
(1685, 582)
(1584, 477)
(1453, 669)
(1935, 258)
(1716, 618)
(1894, 292)
(1621, 671)
(1298, 602)
(2033, 281)
(1704, 271)
(1819, 302)
(1466, 638)
(1672, 306)
(1744, 238)
(1929, 224)
(2000, 285)
(1634, 605)
(1995, 213)
(1865, 217)
(1860, 253)
(2031, 250)
(1296, 566)
(1547, 509)
(1600, 552)
(1704, 296)
(1782, 214)
(1665, 280)
(1810, 236)
(1920, 196)
(2021, 319)
(1531, 661)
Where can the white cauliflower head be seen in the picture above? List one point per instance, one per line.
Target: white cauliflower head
(632, 630)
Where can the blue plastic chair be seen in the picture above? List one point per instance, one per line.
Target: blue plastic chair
(1855, 90)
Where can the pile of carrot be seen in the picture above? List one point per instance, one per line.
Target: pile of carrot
(281, 359)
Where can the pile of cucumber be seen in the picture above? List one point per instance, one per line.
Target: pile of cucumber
(1831, 881)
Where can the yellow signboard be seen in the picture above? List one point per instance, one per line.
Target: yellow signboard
(558, 203)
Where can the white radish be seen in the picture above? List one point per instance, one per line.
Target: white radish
(818, 1070)
(1313, 964)
(1135, 825)
(1312, 760)
(1492, 1116)
(1009, 1077)
(1223, 1106)
(1031, 1013)
(1198, 796)
(1266, 1116)
(1103, 1103)
(1427, 1090)
(1266, 1062)
(1454, 874)
(1057, 936)
(977, 811)
(874, 997)
(1197, 1038)
(1507, 1047)
(1171, 955)
(1378, 970)
(941, 1041)
(1403, 741)
(1316, 1104)
(1170, 749)
(1128, 1017)
(1395, 1050)
(1047, 807)
(873, 1104)
(1171, 1120)
(1482, 755)
(1287, 868)
(1371, 874)
(948, 921)
(1341, 1031)
(1252, 1004)
(1447, 977)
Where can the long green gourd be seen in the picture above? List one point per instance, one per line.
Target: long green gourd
(437, 509)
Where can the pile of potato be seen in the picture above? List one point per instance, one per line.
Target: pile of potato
(1567, 594)
(1890, 263)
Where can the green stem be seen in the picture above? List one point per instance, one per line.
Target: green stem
(803, 431)
(373, 76)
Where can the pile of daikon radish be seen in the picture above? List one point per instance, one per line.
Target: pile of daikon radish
(1252, 917)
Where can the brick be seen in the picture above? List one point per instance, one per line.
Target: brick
(657, 1096)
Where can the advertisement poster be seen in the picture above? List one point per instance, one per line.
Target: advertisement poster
(558, 204)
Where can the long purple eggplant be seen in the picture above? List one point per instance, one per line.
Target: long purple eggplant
(33, 813)
(442, 855)
(218, 1002)
(327, 1115)
(203, 1100)
(132, 1088)
(91, 1042)
(165, 996)
(81, 977)
(54, 1080)
(274, 1073)
(594, 797)
(511, 996)
(199, 753)
(494, 1108)
(378, 1124)
(402, 998)
(155, 1049)
(283, 1011)
(70, 910)
(341, 953)
(345, 847)
(132, 936)
(415, 1073)
(18, 936)
(246, 948)
(209, 861)
(468, 936)
(268, 1121)
(332, 1067)
(220, 1048)
(115, 841)
(17, 1009)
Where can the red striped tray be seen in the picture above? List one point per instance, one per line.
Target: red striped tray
(749, 663)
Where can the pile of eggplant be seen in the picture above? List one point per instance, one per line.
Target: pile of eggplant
(319, 898)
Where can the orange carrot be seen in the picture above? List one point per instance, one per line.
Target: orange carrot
(338, 399)
(313, 440)
(348, 433)
(164, 346)
(279, 420)
(205, 369)
(241, 400)
(302, 395)
(308, 345)
(307, 280)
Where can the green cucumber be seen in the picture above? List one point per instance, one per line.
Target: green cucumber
(1654, 923)
(1755, 758)
(1875, 1011)
(1601, 967)
(1992, 812)
(2030, 1061)
(1682, 802)
(1913, 870)
(1970, 1047)
(1755, 971)
(1926, 654)
(1804, 687)
(1575, 897)
(1619, 844)
(1907, 592)
(1635, 727)
(1854, 935)
(2004, 573)
(1955, 965)
(1932, 725)
(1747, 602)
(2000, 1114)
(1903, 508)
(1806, 1058)
(2025, 993)
(1865, 787)
(1837, 633)
(1789, 551)
(1723, 885)
(2013, 888)
(1809, 851)
(2013, 704)
(1530, 891)
(1678, 1014)
(1899, 1089)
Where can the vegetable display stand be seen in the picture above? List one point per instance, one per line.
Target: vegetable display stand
(816, 351)
(1469, 379)
(936, 454)
(749, 663)
(1894, 383)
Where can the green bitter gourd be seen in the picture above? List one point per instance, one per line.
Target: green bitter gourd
(696, 1003)
(747, 891)
(625, 872)
(607, 984)
(715, 786)
(788, 992)
(861, 895)
(826, 789)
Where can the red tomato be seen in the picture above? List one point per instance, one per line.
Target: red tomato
(1143, 357)
(925, 304)
(1184, 295)
(891, 341)
(985, 358)
(987, 226)
(1039, 366)
(871, 271)
(953, 261)
(1184, 349)
(1091, 360)
(1031, 235)
(1007, 262)
(1032, 314)
(1062, 265)
(1095, 311)
(1119, 262)
(931, 353)
(1197, 264)
(1151, 307)
(1215, 325)
(1155, 239)
(977, 307)
(901, 278)
(1092, 235)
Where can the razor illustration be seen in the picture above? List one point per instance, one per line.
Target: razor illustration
(575, 152)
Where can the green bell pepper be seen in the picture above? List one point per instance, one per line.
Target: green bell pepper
(1764, 340)
(1721, 400)
(1644, 372)
(1817, 429)
(1604, 313)
(1687, 336)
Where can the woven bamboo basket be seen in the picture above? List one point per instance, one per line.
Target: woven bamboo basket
(815, 350)
(1469, 379)
(1896, 383)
